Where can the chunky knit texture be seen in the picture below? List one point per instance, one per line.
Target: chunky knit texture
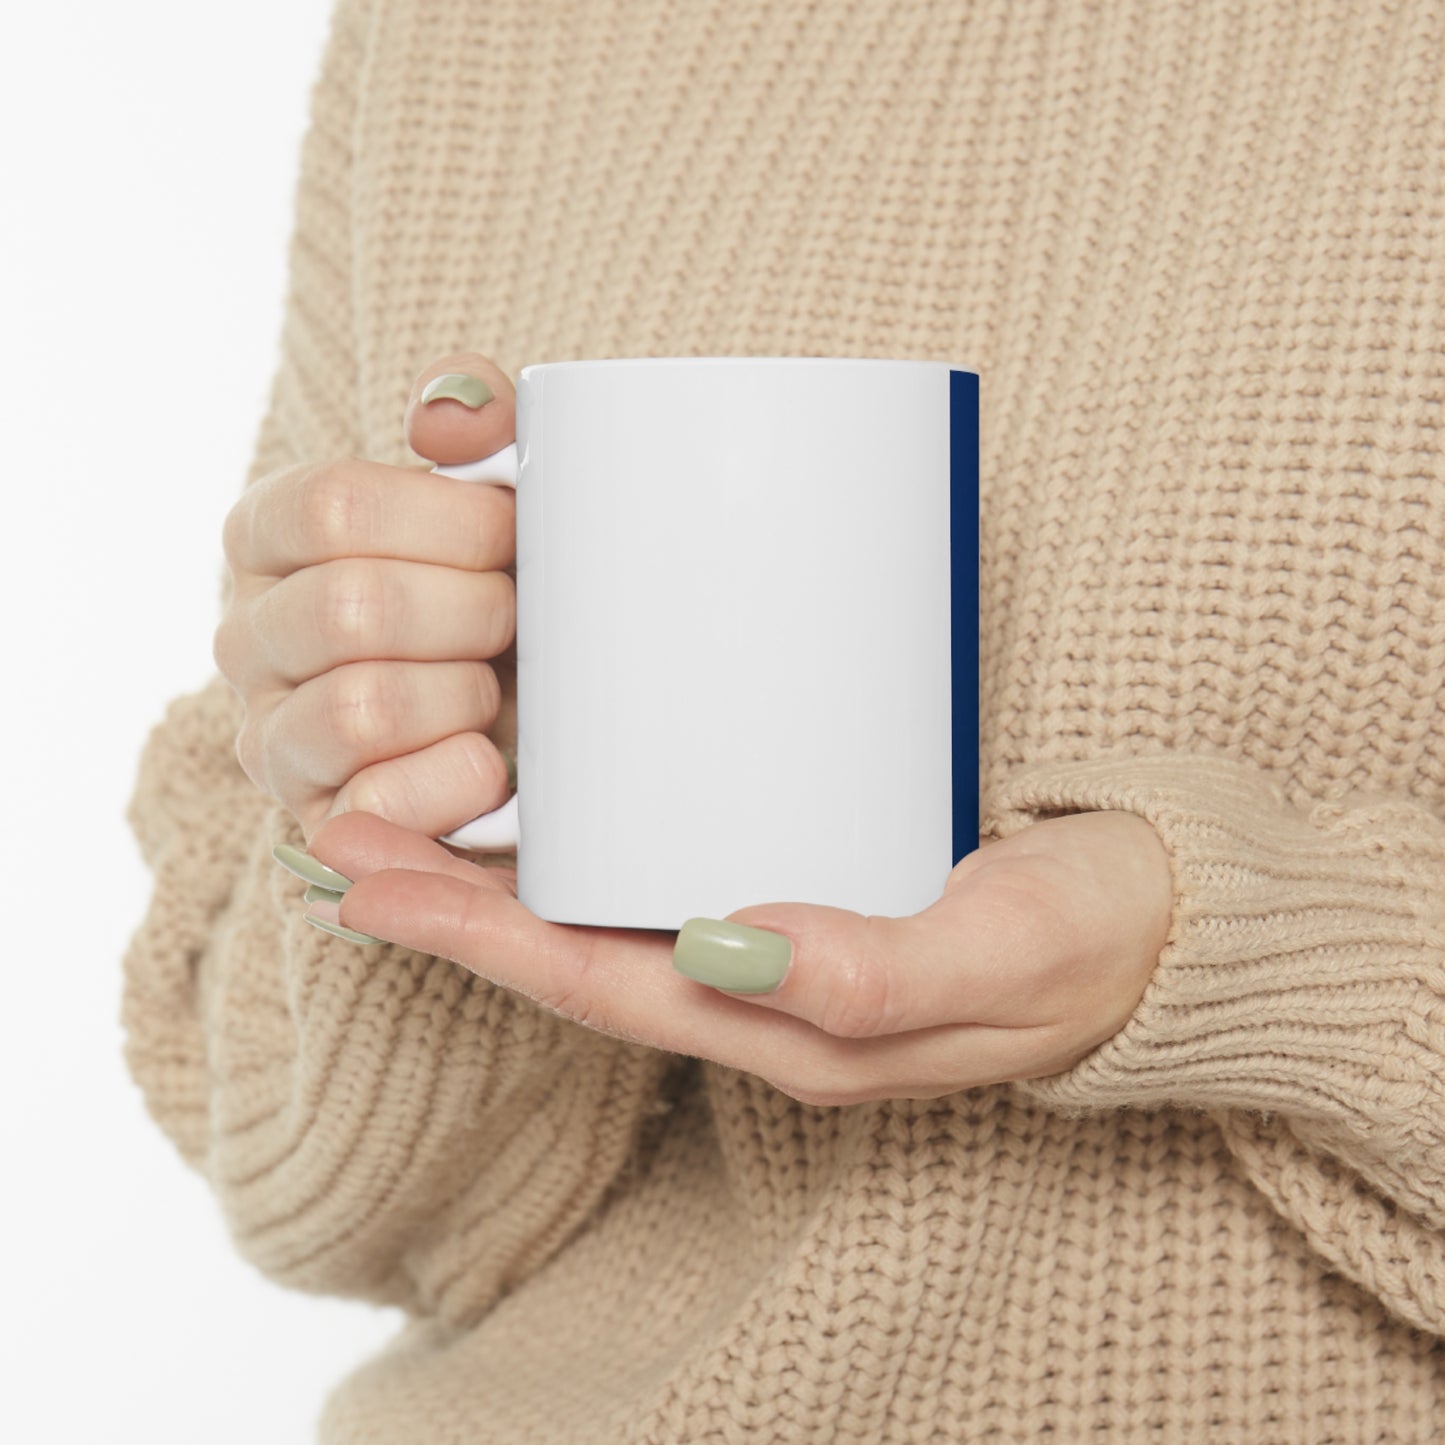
(1197, 252)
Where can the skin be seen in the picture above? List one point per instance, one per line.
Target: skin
(1038, 950)
(370, 632)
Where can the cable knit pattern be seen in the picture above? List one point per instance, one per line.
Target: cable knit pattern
(1197, 253)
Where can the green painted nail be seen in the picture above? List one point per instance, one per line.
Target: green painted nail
(509, 756)
(305, 867)
(322, 895)
(349, 934)
(732, 955)
(471, 391)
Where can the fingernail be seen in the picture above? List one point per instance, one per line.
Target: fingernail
(732, 955)
(509, 756)
(471, 391)
(349, 934)
(323, 895)
(304, 866)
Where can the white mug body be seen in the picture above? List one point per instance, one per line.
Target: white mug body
(747, 635)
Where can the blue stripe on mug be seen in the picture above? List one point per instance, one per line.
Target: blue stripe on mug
(963, 561)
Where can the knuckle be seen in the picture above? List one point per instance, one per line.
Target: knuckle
(235, 530)
(250, 752)
(354, 608)
(573, 998)
(252, 510)
(362, 709)
(1033, 926)
(502, 614)
(332, 508)
(480, 772)
(489, 692)
(386, 792)
(493, 512)
(581, 995)
(224, 648)
(1044, 919)
(861, 998)
(235, 645)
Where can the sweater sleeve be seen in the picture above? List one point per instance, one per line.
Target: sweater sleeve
(1299, 1000)
(375, 1123)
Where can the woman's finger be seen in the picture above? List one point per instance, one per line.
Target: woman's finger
(359, 844)
(462, 407)
(433, 790)
(1059, 925)
(852, 975)
(361, 609)
(326, 731)
(304, 516)
(621, 981)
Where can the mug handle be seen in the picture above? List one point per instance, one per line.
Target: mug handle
(500, 829)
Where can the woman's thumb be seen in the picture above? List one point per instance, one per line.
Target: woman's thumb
(462, 408)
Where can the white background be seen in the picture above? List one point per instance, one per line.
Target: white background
(148, 153)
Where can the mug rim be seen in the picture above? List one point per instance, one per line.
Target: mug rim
(643, 361)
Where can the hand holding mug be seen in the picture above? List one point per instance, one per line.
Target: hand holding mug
(1039, 947)
(371, 623)
(1038, 951)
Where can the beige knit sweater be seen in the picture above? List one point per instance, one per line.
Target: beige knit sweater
(1197, 252)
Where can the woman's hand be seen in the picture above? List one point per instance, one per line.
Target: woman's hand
(366, 599)
(1038, 951)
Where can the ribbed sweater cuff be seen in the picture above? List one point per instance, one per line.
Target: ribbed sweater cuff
(1305, 967)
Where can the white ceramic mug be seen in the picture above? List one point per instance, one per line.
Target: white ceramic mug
(747, 636)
